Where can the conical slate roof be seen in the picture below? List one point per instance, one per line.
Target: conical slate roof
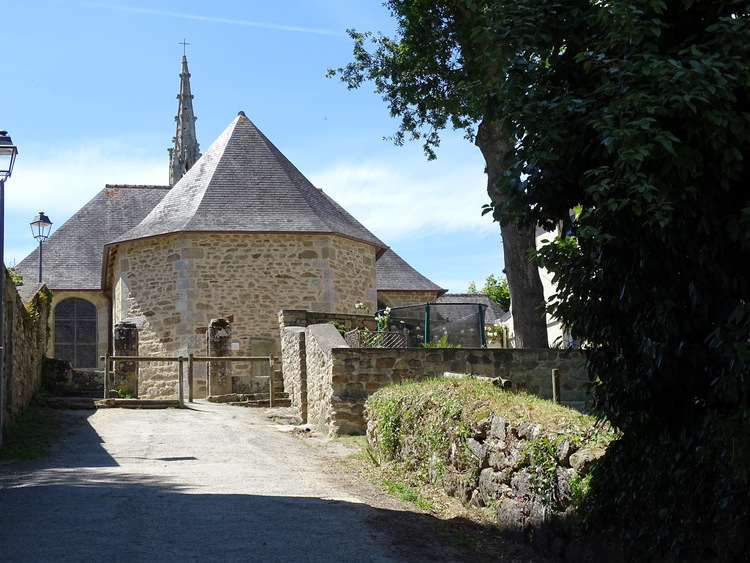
(394, 274)
(243, 183)
(73, 253)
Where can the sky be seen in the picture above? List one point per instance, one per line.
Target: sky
(88, 94)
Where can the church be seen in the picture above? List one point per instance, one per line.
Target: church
(239, 233)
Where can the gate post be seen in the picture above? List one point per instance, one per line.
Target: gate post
(218, 335)
(126, 344)
(191, 366)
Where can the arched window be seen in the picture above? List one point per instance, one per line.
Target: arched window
(75, 332)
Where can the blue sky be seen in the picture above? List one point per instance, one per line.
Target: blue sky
(88, 94)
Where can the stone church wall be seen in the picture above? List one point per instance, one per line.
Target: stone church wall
(172, 286)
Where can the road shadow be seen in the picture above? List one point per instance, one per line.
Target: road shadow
(78, 505)
(137, 518)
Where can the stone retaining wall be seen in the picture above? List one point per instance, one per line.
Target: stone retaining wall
(521, 469)
(338, 379)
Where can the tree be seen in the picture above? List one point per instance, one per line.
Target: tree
(438, 72)
(637, 115)
(640, 119)
(496, 289)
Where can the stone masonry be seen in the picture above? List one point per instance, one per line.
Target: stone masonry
(338, 379)
(24, 342)
(244, 277)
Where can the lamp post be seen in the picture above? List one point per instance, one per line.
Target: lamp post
(8, 152)
(40, 228)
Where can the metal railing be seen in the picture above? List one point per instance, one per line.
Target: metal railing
(190, 359)
(363, 338)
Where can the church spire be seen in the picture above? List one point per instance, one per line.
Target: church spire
(186, 150)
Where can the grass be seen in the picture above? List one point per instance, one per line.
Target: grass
(28, 437)
(404, 492)
(425, 417)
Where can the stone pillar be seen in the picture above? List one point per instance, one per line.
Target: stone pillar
(218, 338)
(126, 373)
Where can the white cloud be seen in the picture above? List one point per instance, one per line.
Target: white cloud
(397, 201)
(60, 182)
(214, 19)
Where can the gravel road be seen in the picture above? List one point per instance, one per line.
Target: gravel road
(207, 483)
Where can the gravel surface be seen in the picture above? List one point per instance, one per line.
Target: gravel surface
(207, 483)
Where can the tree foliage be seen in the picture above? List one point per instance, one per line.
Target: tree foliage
(639, 117)
(496, 289)
(656, 118)
(637, 114)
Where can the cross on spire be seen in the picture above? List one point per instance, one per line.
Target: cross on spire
(184, 45)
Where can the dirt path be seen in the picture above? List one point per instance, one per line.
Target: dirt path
(209, 483)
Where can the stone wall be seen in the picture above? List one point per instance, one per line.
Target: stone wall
(521, 469)
(59, 379)
(294, 368)
(339, 378)
(25, 341)
(320, 340)
(245, 278)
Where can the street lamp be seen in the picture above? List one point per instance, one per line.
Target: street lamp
(8, 152)
(40, 228)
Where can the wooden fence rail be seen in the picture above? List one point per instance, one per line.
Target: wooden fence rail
(190, 359)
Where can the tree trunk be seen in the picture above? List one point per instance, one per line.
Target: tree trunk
(526, 291)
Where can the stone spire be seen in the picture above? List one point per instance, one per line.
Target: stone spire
(186, 150)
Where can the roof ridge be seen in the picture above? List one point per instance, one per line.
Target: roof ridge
(137, 186)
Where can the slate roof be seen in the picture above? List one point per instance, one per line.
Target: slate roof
(493, 312)
(394, 274)
(243, 183)
(73, 253)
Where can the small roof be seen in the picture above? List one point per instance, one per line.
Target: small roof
(394, 274)
(73, 253)
(493, 313)
(243, 183)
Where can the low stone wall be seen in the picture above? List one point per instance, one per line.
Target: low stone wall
(520, 469)
(25, 340)
(61, 380)
(338, 379)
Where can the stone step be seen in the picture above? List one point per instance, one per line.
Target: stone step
(73, 403)
(262, 403)
(243, 397)
(138, 403)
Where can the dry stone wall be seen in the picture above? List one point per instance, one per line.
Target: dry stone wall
(344, 377)
(526, 473)
(172, 286)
